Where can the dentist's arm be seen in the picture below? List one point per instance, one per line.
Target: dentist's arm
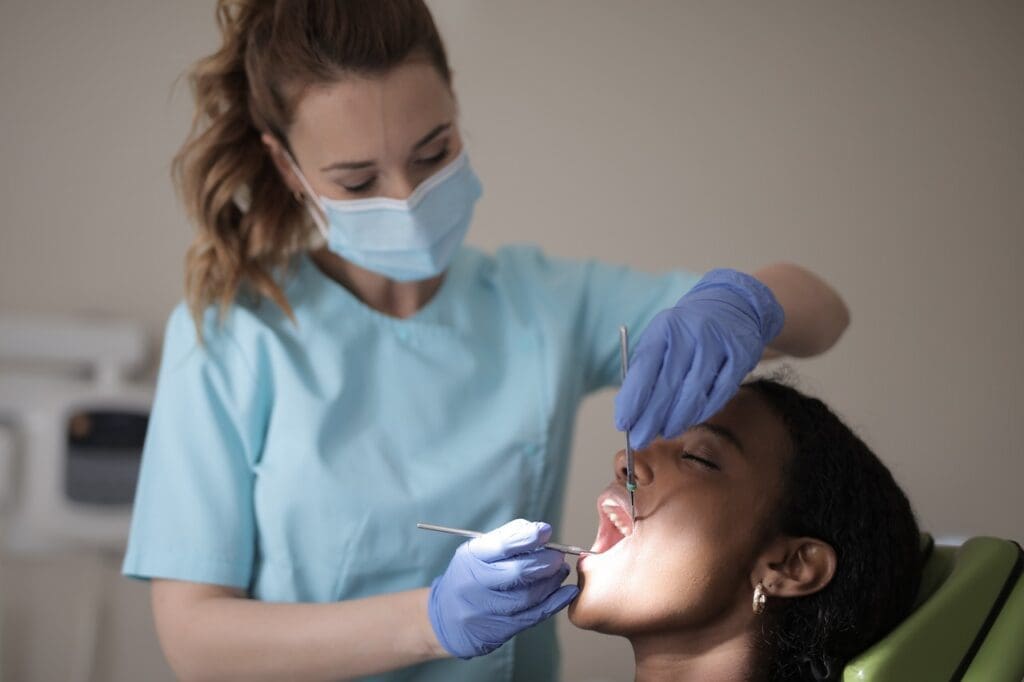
(815, 314)
(495, 586)
(209, 632)
(692, 357)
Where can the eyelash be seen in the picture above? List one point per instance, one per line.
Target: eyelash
(362, 187)
(431, 161)
(436, 158)
(700, 460)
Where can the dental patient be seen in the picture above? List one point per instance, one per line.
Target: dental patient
(769, 544)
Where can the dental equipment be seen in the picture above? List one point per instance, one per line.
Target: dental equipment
(564, 549)
(630, 475)
(75, 421)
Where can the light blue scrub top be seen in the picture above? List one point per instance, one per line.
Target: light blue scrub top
(294, 460)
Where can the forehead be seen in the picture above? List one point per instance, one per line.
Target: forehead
(366, 116)
(762, 432)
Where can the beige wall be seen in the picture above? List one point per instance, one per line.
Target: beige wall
(879, 144)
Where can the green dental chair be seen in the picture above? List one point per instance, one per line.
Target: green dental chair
(967, 623)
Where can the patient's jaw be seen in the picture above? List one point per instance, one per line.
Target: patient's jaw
(702, 503)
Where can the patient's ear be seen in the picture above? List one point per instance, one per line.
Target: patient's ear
(795, 567)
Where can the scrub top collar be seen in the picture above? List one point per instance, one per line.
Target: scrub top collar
(334, 298)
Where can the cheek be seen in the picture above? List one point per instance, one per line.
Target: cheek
(684, 585)
(682, 578)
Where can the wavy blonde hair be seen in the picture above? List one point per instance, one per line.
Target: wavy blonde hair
(248, 223)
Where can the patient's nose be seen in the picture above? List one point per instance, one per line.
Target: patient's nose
(641, 468)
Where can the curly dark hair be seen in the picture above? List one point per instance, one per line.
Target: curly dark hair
(836, 489)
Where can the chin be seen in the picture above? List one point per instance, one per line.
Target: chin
(601, 604)
(589, 613)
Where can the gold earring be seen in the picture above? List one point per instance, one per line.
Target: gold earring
(760, 599)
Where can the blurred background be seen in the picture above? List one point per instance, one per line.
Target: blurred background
(879, 144)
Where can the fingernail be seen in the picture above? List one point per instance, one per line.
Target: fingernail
(523, 530)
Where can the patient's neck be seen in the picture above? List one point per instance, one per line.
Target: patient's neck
(708, 654)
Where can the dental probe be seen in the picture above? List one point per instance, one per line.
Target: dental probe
(630, 475)
(564, 549)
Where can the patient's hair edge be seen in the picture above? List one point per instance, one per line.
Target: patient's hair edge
(837, 490)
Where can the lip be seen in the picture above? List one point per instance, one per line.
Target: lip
(615, 493)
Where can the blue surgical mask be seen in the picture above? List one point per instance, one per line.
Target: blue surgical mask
(404, 240)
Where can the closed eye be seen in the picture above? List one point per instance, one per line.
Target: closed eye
(707, 463)
(361, 187)
(429, 161)
(435, 159)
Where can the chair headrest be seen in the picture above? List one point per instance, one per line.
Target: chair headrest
(963, 591)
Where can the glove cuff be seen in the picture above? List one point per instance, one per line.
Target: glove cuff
(436, 623)
(766, 309)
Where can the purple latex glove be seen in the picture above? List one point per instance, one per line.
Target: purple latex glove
(692, 357)
(496, 586)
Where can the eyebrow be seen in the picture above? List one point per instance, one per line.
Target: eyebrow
(722, 432)
(357, 165)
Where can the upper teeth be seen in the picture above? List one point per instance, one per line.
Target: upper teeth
(611, 510)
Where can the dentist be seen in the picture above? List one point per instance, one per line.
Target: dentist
(344, 367)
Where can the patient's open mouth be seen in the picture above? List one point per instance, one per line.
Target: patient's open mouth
(615, 521)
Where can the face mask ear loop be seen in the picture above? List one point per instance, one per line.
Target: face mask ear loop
(317, 212)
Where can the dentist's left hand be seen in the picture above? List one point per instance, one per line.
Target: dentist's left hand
(692, 357)
(497, 585)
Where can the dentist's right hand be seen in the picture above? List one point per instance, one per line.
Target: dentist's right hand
(497, 585)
